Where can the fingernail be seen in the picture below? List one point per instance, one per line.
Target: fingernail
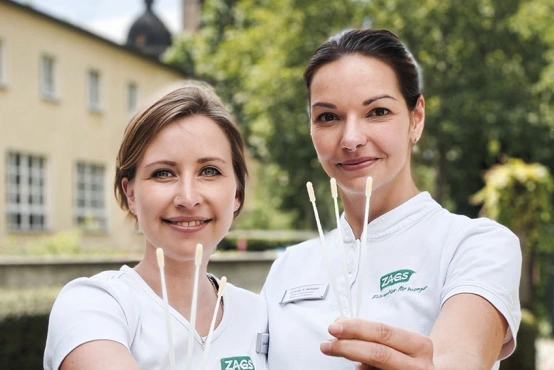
(325, 347)
(335, 329)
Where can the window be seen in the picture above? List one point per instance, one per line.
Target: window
(48, 77)
(90, 204)
(26, 182)
(3, 64)
(94, 90)
(131, 97)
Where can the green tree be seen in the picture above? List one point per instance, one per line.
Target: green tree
(479, 73)
(485, 76)
(519, 195)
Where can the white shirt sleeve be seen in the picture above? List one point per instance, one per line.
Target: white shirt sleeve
(85, 310)
(485, 259)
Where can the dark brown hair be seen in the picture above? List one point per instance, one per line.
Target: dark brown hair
(378, 44)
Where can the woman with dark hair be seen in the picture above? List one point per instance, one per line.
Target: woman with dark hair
(437, 290)
(180, 173)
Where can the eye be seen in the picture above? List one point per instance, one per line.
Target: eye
(210, 171)
(379, 112)
(162, 174)
(326, 117)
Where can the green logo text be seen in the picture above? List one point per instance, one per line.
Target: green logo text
(395, 277)
(237, 363)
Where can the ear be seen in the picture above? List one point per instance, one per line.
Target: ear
(418, 120)
(129, 190)
(237, 203)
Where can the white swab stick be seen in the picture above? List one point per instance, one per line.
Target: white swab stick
(311, 194)
(222, 284)
(161, 265)
(335, 194)
(368, 186)
(197, 261)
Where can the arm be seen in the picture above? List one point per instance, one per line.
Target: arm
(468, 334)
(100, 355)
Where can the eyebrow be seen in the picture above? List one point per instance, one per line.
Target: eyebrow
(174, 164)
(365, 103)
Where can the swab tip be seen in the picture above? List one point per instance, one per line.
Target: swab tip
(368, 186)
(198, 257)
(160, 257)
(334, 192)
(222, 284)
(311, 193)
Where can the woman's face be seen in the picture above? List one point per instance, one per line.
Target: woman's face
(361, 126)
(185, 189)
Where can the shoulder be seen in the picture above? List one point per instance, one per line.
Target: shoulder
(297, 255)
(108, 291)
(244, 297)
(100, 307)
(113, 283)
(482, 231)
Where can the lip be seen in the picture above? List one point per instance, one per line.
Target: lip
(189, 224)
(357, 163)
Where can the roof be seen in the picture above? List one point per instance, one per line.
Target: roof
(74, 28)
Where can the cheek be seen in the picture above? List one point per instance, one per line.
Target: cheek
(323, 144)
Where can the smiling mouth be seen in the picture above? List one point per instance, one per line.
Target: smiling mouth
(187, 223)
(357, 163)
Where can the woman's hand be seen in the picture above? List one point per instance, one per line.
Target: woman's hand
(378, 346)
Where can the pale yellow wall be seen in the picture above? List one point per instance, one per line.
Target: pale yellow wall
(66, 131)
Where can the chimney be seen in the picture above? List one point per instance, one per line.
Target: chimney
(191, 15)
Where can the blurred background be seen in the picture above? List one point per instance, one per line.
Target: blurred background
(72, 74)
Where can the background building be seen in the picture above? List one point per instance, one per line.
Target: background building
(66, 96)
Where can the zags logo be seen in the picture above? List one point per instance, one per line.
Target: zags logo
(237, 363)
(395, 277)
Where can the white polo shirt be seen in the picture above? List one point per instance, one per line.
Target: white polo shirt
(120, 306)
(418, 256)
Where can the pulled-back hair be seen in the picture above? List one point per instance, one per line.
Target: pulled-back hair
(194, 98)
(379, 44)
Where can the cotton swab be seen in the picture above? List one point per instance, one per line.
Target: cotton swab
(222, 284)
(368, 186)
(161, 265)
(335, 194)
(311, 194)
(197, 261)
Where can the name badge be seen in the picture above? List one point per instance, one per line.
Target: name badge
(304, 293)
(262, 343)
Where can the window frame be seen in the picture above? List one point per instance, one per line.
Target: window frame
(3, 63)
(26, 192)
(90, 204)
(132, 96)
(94, 90)
(48, 81)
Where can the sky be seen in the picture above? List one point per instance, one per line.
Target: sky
(110, 19)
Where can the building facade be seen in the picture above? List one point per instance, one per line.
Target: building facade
(66, 96)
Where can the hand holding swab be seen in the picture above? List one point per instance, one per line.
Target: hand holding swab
(197, 261)
(311, 194)
(334, 194)
(222, 284)
(368, 186)
(161, 265)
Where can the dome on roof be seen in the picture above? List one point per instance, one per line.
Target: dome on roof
(148, 34)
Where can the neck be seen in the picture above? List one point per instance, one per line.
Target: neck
(180, 279)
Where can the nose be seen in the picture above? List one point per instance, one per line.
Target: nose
(353, 135)
(188, 194)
